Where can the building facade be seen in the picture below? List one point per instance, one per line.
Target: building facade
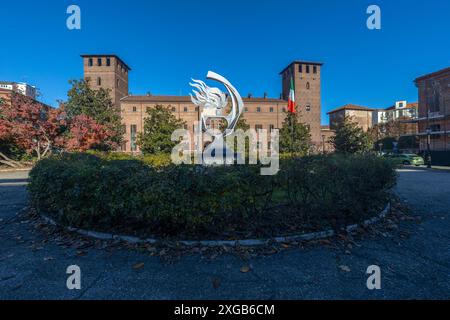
(19, 87)
(109, 71)
(434, 112)
(363, 116)
(402, 113)
(307, 86)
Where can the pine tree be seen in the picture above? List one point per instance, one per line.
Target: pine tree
(295, 137)
(350, 138)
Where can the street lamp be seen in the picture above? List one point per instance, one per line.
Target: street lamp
(323, 144)
(428, 156)
(381, 147)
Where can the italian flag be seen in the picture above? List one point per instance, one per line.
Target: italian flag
(291, 100)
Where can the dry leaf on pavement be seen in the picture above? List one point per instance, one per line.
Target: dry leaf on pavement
(344, 268)
(138, 266)
(245, 269)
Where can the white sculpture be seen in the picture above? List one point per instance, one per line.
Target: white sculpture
(213, 102)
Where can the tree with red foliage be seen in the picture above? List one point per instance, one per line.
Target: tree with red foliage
(85, 133)
(30, 124)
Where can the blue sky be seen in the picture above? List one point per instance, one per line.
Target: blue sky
(248, 41)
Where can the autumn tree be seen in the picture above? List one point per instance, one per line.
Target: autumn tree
(6, 138)
(30, 125)
(159, 125)
(295, 137)
(350, 138)
(84, 133)
(97, 106)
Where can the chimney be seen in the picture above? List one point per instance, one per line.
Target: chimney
(265, 95)
(250, 95)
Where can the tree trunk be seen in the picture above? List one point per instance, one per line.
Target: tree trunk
(8, 161)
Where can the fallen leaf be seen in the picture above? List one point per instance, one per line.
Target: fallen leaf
(245, 269)
(344, 268)
(81, 253)
(49, 258)
(138, 266)
(216, 283)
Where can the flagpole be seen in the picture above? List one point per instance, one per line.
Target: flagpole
(291, 110)
(292, 132)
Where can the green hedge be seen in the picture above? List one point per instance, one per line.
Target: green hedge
(108, 194)
(154, 160)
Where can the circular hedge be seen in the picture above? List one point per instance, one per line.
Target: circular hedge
(135, 197)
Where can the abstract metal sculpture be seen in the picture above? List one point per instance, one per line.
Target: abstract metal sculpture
(213, 101)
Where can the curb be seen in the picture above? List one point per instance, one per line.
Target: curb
(220, 243)
(427, 169)
(15, 170)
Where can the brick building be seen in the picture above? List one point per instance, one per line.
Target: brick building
(434, 114)
(109, 71)
(363, 116)
(402, 113)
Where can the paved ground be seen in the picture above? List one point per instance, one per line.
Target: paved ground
(415, 265)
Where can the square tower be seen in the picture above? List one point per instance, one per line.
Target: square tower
(307, 87)
(108, 72)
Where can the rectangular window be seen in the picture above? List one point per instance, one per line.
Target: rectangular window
(133, 130)
(271, 127)
(108, 62)
(300, 68)
(315, 69)
(307, 69)
(271, 109)
(258, 127)
(99, 62)
(99, 81)
(435, 127)
(134, 109)
(90, 62)
(185, 109)
(174, 109)
(258, 109)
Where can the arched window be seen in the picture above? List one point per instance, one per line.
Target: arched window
(308, 108)
(307, 86)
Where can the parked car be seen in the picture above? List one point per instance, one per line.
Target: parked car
(406, 159)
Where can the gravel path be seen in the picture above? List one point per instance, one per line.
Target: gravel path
(415, 262)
